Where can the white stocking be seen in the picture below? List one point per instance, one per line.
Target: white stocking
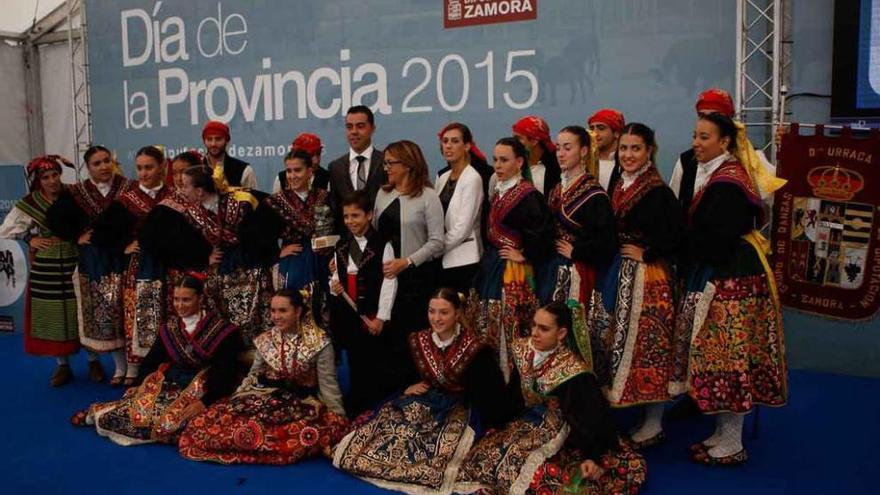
(716, 435)
(132, 371)
(653, 424)
(119, 361)
(730, 440)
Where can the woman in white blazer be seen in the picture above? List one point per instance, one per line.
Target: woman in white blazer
(462, 192)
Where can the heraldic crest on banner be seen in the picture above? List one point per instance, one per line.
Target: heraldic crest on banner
(825, 224)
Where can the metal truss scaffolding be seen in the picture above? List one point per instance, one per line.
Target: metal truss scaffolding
(79, 80)
(761, 68)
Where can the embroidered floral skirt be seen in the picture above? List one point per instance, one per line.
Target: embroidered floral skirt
(413, 444)
(265, 426)
(624, 473)
(151, 412)
(737, 354)
(635, 337)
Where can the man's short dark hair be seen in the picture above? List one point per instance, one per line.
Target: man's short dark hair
(364, 110)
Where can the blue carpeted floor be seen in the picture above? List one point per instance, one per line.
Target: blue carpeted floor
(823, 442)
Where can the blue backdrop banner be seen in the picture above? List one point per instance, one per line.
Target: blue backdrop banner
(272, 69)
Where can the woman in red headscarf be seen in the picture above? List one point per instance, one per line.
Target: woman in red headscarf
(713, 100)
(50, 326)
(311, 144)
(734, 358)
(534, 133)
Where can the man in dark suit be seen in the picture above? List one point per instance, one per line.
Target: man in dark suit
(362, 168)
(216, 137)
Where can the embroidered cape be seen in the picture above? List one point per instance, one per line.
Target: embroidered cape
(564, 204)
(292, 356)
(499, 233)
(538, 383)
(202, 219)
(89, 198)
(731, 172)
(298, 215)
(444, 369)
(623, 201)
(194, 350)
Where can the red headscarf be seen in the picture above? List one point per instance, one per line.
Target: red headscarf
(40, 164)
(610, 117)
(200, 276)
(716, 100)
(535, 127)
(474, 149)
(307, 142)
(215, 128)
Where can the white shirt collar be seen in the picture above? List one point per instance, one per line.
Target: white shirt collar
(705, 171)
(367, 153)
(152, 192)
(302, 195)
(505, 185)
(103, 187)
(190, 322)
(541, 356)
(443, 344)
(212, 204)
(628, 179)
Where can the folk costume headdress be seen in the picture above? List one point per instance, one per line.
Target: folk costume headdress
(40, 164)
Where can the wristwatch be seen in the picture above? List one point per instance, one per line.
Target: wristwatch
(410, 263)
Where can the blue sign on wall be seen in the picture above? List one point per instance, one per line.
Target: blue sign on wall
(272, 69)
(13, 254)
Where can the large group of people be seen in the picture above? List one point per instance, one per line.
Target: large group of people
(489, 318)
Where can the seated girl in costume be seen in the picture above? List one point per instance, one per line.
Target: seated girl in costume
(564, 436)
(288, 408)
(416, 441)
(192, 364)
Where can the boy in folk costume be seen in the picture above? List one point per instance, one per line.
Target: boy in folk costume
(362, 306)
